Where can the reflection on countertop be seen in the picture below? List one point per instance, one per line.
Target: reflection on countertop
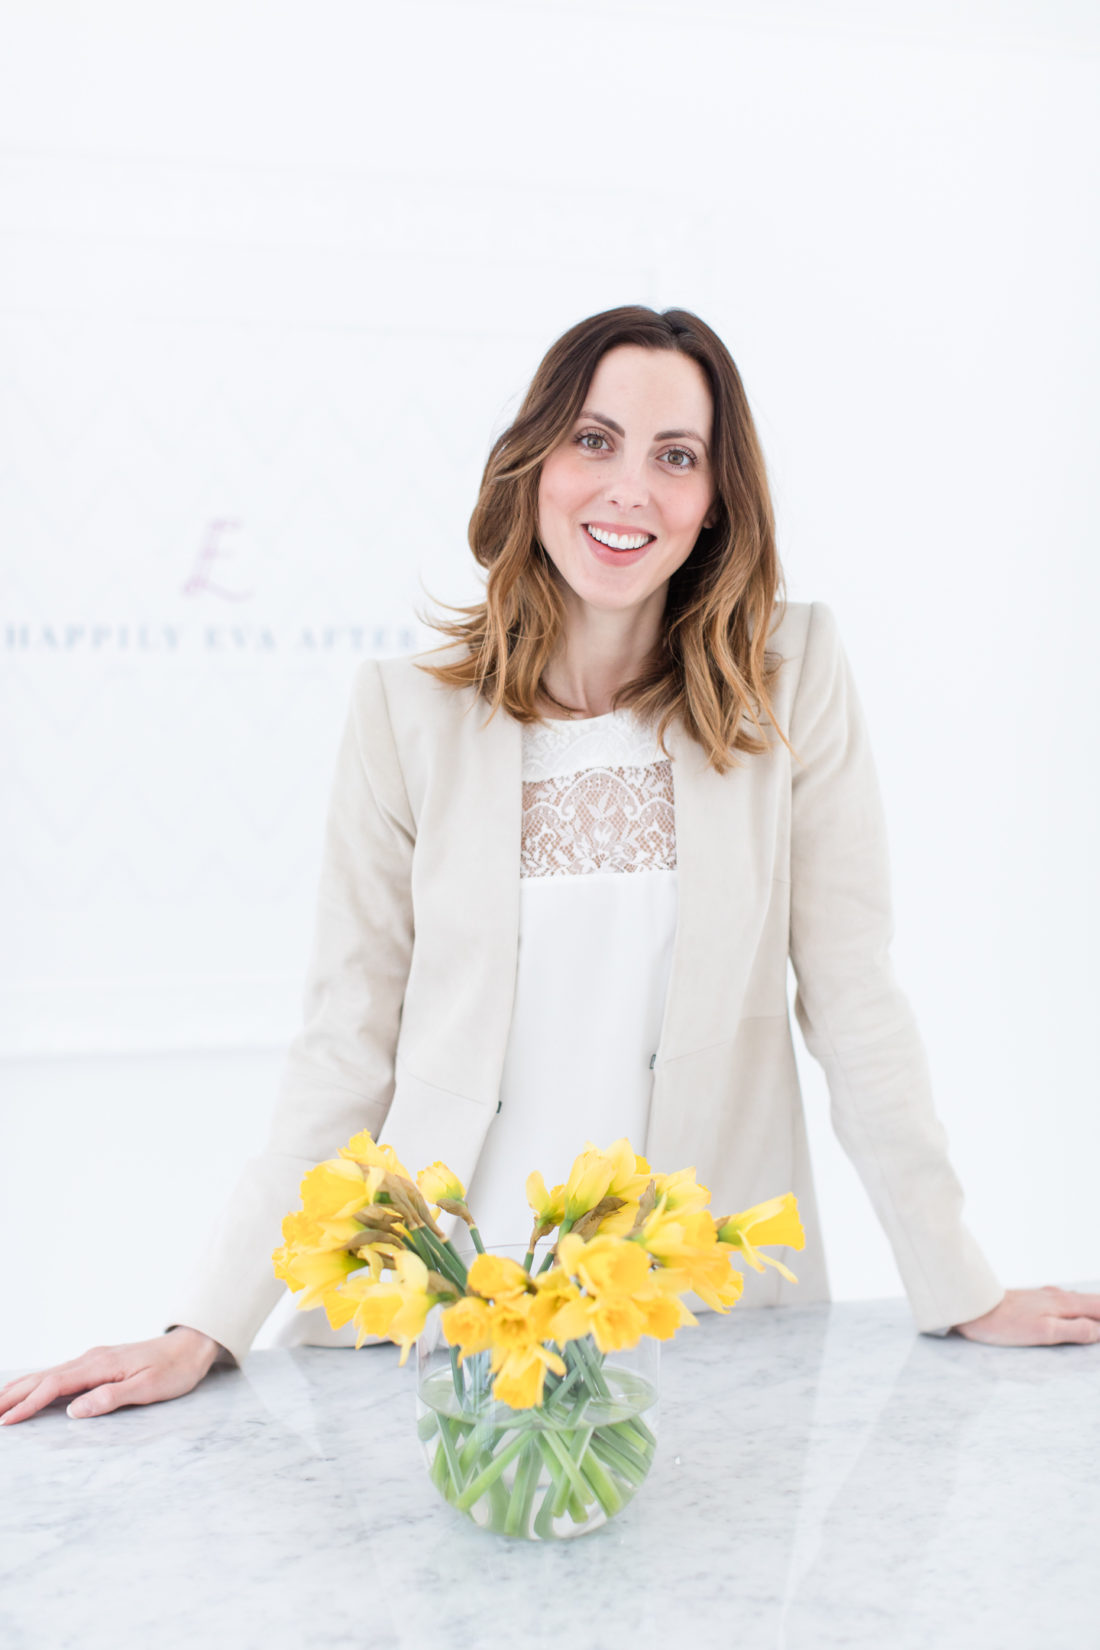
(825, 1477)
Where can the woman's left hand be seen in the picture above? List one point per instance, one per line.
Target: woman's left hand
(1037, 1317)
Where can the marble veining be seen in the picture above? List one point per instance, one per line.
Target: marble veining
(825, 1477)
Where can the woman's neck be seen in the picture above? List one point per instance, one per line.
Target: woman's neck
(599, 651)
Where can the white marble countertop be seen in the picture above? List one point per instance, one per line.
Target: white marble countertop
(824, 1477)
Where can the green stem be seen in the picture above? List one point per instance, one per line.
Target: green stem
(562, 1485)
(490, 1473)
(475, 1237)
(606, 1492)
(446, 1443)
(544, 1518)
(523, 1490)
(592, 1358)
(549, 1261)
(636, 1432)
(441, 1257)
(561, 1391)
(570, 1467)
(625, 1465)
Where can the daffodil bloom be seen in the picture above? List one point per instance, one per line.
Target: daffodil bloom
(553, 1290)
(519, 1379)
(467, 1325)
(604, 1265)
(310, 1274)
(587, 1184)
(631, 1175)
(681, 1191)
(497, 1278)
(687, 1244)
(624, 1299)
(517, 1357)
(333, 1190)
(397, 1309)
(663, 1310)
(438, 1183)
(774, 1221)
(362, 1148)
(548, 1206)
(379, 1256)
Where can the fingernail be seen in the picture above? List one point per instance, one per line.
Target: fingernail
(74, 1412)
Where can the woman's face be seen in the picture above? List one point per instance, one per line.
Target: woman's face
(635, 470)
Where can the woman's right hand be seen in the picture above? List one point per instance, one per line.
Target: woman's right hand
(140, 1372)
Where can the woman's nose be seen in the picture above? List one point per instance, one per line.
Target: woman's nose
(628, 488)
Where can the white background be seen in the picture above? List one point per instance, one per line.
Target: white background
(288, 270)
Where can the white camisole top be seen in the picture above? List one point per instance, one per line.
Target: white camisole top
(597, 925)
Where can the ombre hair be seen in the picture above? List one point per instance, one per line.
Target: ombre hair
(710, 668)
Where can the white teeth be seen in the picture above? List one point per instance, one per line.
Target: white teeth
(620, 541)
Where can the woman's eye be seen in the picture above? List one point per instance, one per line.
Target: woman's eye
(681, 458)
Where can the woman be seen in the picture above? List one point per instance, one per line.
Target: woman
(628, 976)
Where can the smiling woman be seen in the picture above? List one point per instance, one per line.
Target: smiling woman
(617, 496)
(573, 917)
(634, 424)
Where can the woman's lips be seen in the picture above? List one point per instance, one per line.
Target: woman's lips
(615, 558)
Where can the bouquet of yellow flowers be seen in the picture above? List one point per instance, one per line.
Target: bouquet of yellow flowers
(530, 1397)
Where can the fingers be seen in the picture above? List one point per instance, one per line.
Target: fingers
(29, 1394)
(25, 1396)
(1079, 1331)
(135, 1389)
(1076, 1303)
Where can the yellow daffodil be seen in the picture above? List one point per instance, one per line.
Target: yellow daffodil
(680, 1191)
(379, 1256)
(467, 1325)
(687, 1244)
(439, 1184)
(553, 1290)
(310, 1274)
(587, 1183)
(497, 1278)
(521, 1375)
(623, 1300)
(774, 1221)
(362, 1148)
(631, 1175)
(333, 1190)
(663, 1310)
(397, 1309)
(548, 1206)
(517, 1358)
(604, 1265)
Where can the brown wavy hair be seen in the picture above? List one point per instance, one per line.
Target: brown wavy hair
(710, 667)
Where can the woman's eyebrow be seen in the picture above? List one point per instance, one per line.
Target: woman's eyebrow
(662, 435)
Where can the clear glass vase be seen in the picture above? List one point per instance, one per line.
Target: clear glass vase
(551, 1472)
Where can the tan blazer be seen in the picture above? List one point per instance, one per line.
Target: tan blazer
(410, 988)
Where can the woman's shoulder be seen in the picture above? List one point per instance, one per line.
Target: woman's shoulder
(410, 689)
(791, 625)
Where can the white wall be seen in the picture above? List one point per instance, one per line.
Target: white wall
(289, 270)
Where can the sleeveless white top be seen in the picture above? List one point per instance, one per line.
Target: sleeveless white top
(597, 924)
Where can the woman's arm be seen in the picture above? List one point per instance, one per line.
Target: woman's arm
(339, 1072)
(854, 1017)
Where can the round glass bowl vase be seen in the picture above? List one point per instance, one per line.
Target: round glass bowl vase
(551, 1472)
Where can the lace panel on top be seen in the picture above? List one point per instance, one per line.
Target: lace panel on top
(601, 819)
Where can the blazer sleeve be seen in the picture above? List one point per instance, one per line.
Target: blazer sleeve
(339, 1071)
(855, 1019)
